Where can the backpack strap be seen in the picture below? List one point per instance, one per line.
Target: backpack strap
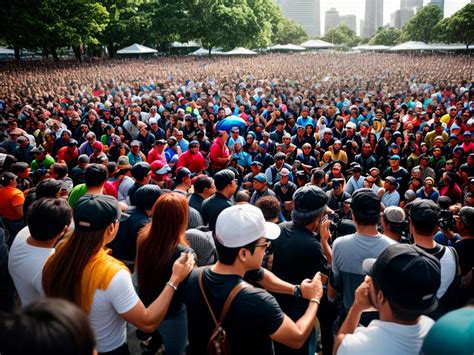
(456, 259)
(237, 288)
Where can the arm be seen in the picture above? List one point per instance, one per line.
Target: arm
(273, 283)
(294, 334)
(325, 234)
(147, 319)
(361, 303)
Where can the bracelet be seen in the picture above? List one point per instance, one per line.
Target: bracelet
(315, 300)
(174, 287)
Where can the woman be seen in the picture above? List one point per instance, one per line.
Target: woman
(49, 141)
(159, 245)
(251, 145)
(450, 188)
(11, 204)
(82, 271)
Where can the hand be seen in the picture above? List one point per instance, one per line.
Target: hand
(182, 267)
(312, 288)
(362, 300)
(324, 231)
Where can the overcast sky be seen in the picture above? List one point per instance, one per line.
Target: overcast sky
(357, 7)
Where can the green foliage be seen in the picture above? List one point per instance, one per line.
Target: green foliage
(423, 26)
(459, 27)
(342, 34)
(386, 36)
(288, 31)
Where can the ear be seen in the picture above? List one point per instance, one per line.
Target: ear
(380, 297)
(243, 254)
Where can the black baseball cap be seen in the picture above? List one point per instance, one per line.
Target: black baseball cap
(145, 197)
(407, 276)
(182, 173)
(365, 201)
(309, 198)
(94, 212)
(423, 211)
(140, 170)
(223, 178)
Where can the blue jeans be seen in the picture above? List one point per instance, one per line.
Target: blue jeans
(174, 330)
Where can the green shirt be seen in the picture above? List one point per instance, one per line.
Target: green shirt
(76, 193)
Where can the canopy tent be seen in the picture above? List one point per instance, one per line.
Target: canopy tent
(286, 47)
(203, 52)
(6, 51)
(136, 49)
(412, 46)
(316, 44)
(190, 44)
(240, 51)
(447, 47)
(374, 48)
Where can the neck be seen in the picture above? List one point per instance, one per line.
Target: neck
(95, 190)
(424, 241)
(388, 317)
(47, 244)
(394, 236)
(224, 269)
(367, 230)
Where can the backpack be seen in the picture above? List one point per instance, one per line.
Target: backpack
(219, 343)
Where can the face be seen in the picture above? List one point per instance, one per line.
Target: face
(259, 186)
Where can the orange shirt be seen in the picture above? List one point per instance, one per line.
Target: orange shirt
(10, 197)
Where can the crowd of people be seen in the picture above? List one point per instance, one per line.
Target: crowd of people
(330, 194)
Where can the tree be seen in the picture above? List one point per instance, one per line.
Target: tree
(386, 36)
(422, 26)
(341, 35)
(288, 31)
(458, 27)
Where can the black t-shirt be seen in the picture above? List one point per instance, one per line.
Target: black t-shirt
(252, 317)
(465, 250)
(212, 207)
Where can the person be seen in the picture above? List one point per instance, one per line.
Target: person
(356, 181)
(226, 186)
(48, 221)
(284, 190)
(464, 220)
(394, 224)
(83, 272)
(451, 334)
(424, 215)
(203, 187)
(396, 171)
(219, 154)
(141, 173)
(428, 191)
(337, 195)
(192, 159)
(349, 251)
(272, 173)
(159, 245)
(261, 188)
(11, 205)
(47, 326)
(391, 197)
(401, 285)
(124, 246)
(254, 316)
(297, 255)
(183, 181)
(95, 177)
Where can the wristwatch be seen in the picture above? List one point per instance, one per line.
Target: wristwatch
(297, 291)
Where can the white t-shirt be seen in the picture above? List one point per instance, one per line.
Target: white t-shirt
(448, 271)
(118, 298)
(386, 338)
(25, 264)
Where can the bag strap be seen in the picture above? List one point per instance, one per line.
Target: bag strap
(237, 288)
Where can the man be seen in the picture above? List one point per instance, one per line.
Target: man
(226, 185)
(391, 197)
(48, 221)
(393, 223)
(254, 317)
(235, 138)
(272, 173)
(261, 189)
(427, 191)
(95, 177)
(438, 131)
(337, 195)
(204, 188)
(69, 154)
(42, 159)
(425, 170)
(247, 181)
(219, 155)
(183, 181)
(402, 286)
(263, 157)
(157, 152)
(192, 159)
(356, 181)
(465, 247)
(424, 216)
(284, 190)
(365, 159)
(349, 251)
(135, 155)
(399, 173)
(297, 255)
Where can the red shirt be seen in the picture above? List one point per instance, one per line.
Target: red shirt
(154, 155)
(194, 162)
(219, 154)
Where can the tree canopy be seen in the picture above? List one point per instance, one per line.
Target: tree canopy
(422, 26)
(459, 27)
(342, 34)
(386, 36)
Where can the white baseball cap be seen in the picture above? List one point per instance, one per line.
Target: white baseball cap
(240, 225)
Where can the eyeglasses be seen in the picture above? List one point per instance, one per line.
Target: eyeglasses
(267, 246)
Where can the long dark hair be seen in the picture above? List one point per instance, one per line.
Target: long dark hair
(157, 242)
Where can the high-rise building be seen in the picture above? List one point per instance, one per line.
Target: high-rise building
(439, 3)
(350, 21)
(373, 18)
(304, 12)
(408, 4)
(331, 19)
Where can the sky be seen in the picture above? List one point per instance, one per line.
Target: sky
(357, 7)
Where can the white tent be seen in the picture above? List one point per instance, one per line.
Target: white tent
(6, 51)
(447, 47)
(286, 47)
(190, 44)
(203, 52)
(367, 47)
(316, 44)
(240, 51)
(136, 49)
(412, 46)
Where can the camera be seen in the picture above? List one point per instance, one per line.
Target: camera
(446, 220)
(334, 218)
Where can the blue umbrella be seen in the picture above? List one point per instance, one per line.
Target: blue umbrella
(227, 123)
